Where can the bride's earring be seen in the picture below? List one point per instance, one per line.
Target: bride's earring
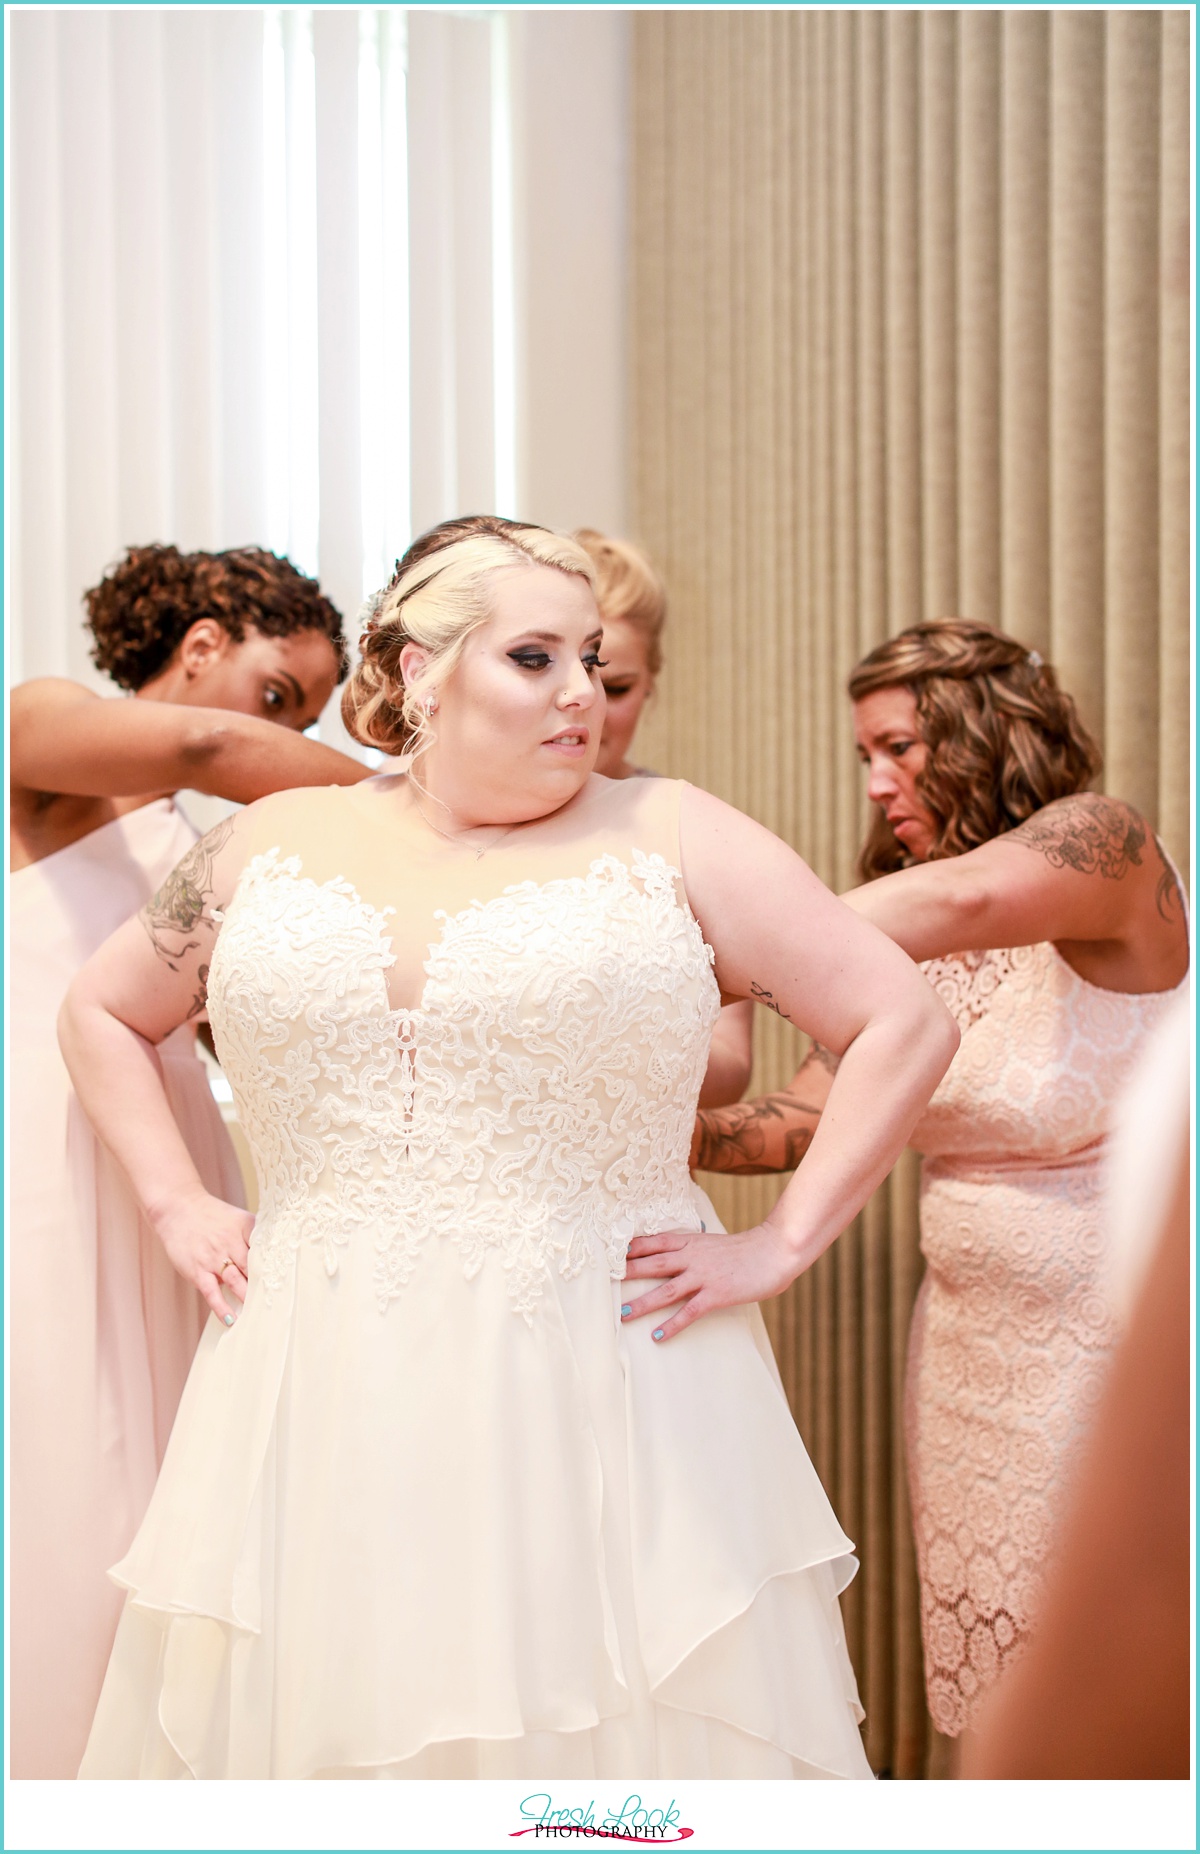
(430, 704)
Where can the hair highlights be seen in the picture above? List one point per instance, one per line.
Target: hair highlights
(437, 596)
(1003, 738)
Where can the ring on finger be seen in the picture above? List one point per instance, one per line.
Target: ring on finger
(221, 1270)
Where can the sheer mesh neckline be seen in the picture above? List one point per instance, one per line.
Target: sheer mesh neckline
(272, 863)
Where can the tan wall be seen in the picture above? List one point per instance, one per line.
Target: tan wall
(910, 337)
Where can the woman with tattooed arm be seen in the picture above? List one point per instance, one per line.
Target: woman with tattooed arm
(1051, 922)
(217, 649)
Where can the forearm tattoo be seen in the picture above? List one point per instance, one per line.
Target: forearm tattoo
(181, 905)
(826, 1058)
(1088, 833)
(766, 1135)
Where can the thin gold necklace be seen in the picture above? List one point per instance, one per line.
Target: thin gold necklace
(456, 838)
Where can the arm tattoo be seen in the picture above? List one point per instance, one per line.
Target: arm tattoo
(826, 1058)
(736, 1139)
(1167, 895)
(762, 996)
(176, 911)
(199, 1003)
(1088, 833)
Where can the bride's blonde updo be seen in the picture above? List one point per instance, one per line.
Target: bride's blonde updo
(436, 597)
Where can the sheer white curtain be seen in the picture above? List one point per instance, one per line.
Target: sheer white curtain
(313, 278)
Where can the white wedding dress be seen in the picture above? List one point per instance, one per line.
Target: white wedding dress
(429, 1508)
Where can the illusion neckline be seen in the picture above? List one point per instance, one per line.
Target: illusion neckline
(274, 862)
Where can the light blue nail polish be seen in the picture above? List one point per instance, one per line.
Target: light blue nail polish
(658, 1334)
(625, 1312)
(229, 1319)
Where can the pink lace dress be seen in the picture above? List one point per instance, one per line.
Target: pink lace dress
(1012, 1331)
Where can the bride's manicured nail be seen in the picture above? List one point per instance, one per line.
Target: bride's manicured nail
(229, 1319)
(625, 1312)
(658, 1334)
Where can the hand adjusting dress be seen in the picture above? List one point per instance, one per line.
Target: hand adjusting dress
(429, 1509)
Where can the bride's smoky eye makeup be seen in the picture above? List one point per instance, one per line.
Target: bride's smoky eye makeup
(529, 657)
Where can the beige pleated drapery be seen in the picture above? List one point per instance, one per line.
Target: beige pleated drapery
(910, 338)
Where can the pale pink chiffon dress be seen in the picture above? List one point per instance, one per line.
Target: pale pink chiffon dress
(101, 1328)
(1012, 1330)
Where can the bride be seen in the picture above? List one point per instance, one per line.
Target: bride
(441, 1500)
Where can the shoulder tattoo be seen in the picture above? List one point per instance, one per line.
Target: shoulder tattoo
(1167, 895)
(1089, 833)
(183, 904)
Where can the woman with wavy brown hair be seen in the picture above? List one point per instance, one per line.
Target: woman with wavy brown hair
(214, 650)
(1051, 922)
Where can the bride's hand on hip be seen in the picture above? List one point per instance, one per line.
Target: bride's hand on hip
(705, 1270)
(208, 1241)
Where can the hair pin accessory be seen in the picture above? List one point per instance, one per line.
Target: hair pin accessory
(1035, 659)
(368, 615)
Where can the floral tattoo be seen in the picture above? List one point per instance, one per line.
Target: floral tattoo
(1098, 836)
(183, 905)
(1167, 894)
(736, 1139)
(1088, 833)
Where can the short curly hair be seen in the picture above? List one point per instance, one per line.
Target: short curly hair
(143, 607)
(1003, 738)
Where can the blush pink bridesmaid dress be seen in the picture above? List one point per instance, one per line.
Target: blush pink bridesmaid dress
(101, 1328)
(1012, 1330)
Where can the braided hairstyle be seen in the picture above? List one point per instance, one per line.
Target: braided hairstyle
(143, 607)
(1003, 738)
(436, 597)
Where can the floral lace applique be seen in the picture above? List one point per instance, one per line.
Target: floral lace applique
(537, 1105)
(966, 983)
(1012, 1333)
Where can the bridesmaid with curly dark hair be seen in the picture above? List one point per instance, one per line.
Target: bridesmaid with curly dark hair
(1052, 923)
(218, 649)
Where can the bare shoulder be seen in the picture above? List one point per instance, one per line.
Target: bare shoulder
(49, 692)
(1088, 832)
(283, 818)
(45, 695)
(1095, 835)
(704, 815)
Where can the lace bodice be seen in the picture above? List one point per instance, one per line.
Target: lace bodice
(1042, 1056)
(536, 1107)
